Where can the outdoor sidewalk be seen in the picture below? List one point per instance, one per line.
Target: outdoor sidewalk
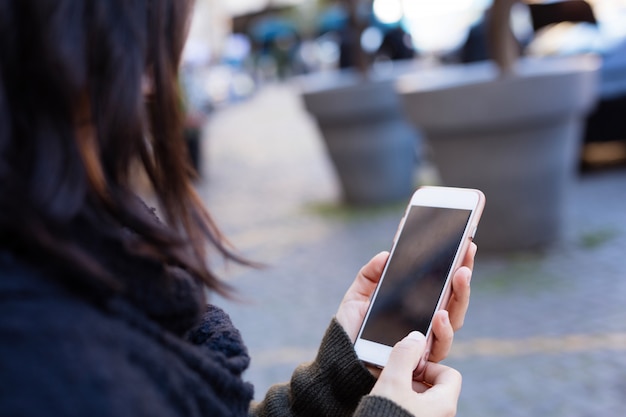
(546, 331)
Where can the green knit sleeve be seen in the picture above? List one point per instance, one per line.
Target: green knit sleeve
(371, 406)
(333, 385)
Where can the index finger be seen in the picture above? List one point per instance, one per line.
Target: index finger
(460, 297)
(468, 260)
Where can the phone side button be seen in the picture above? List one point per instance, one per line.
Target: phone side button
(473, 233)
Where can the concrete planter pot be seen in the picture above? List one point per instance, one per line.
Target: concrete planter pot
(369, 141)
(516, 137)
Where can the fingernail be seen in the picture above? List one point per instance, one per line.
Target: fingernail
(415, 336)
(446, 317)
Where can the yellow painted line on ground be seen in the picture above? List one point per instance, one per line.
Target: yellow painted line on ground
(539, 345)
(283, 356)
(572, 343)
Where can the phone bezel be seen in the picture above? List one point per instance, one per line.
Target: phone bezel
(428, 196)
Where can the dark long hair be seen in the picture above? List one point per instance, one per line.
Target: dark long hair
(74, 121)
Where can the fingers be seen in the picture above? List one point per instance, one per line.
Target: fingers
(445, 323)
(442, 384)
(365, 282)
(459, 300)
(468, 261)
(443, 335)
(460, 297)
(372, 270)
(356, 300)
(438, 395)
(436, 374)
(398, 372)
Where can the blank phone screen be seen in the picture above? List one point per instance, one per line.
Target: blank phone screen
(415, 276)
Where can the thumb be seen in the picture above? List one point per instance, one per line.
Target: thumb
(404, 357)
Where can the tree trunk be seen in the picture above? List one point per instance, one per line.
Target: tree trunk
(502, 43)
(356, 27)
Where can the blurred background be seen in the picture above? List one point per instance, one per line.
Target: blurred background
(292, 104)
(248, 42)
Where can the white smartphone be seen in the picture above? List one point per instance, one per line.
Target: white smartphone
(430, 244)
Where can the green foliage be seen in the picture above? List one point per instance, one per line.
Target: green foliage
(597, 238)
(520, 272)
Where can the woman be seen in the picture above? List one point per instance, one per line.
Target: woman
(102, 308)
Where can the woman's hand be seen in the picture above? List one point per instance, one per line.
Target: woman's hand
(436, 396)
(354, 304)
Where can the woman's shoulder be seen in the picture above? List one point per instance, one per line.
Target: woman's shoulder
(19, 277)
(33, 299)
(53, 345)
(65, 353)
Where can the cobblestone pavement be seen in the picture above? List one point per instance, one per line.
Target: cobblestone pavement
(546, 331)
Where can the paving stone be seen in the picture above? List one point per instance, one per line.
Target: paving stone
(546, 331)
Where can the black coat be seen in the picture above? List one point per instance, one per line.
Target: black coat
(60, 356)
